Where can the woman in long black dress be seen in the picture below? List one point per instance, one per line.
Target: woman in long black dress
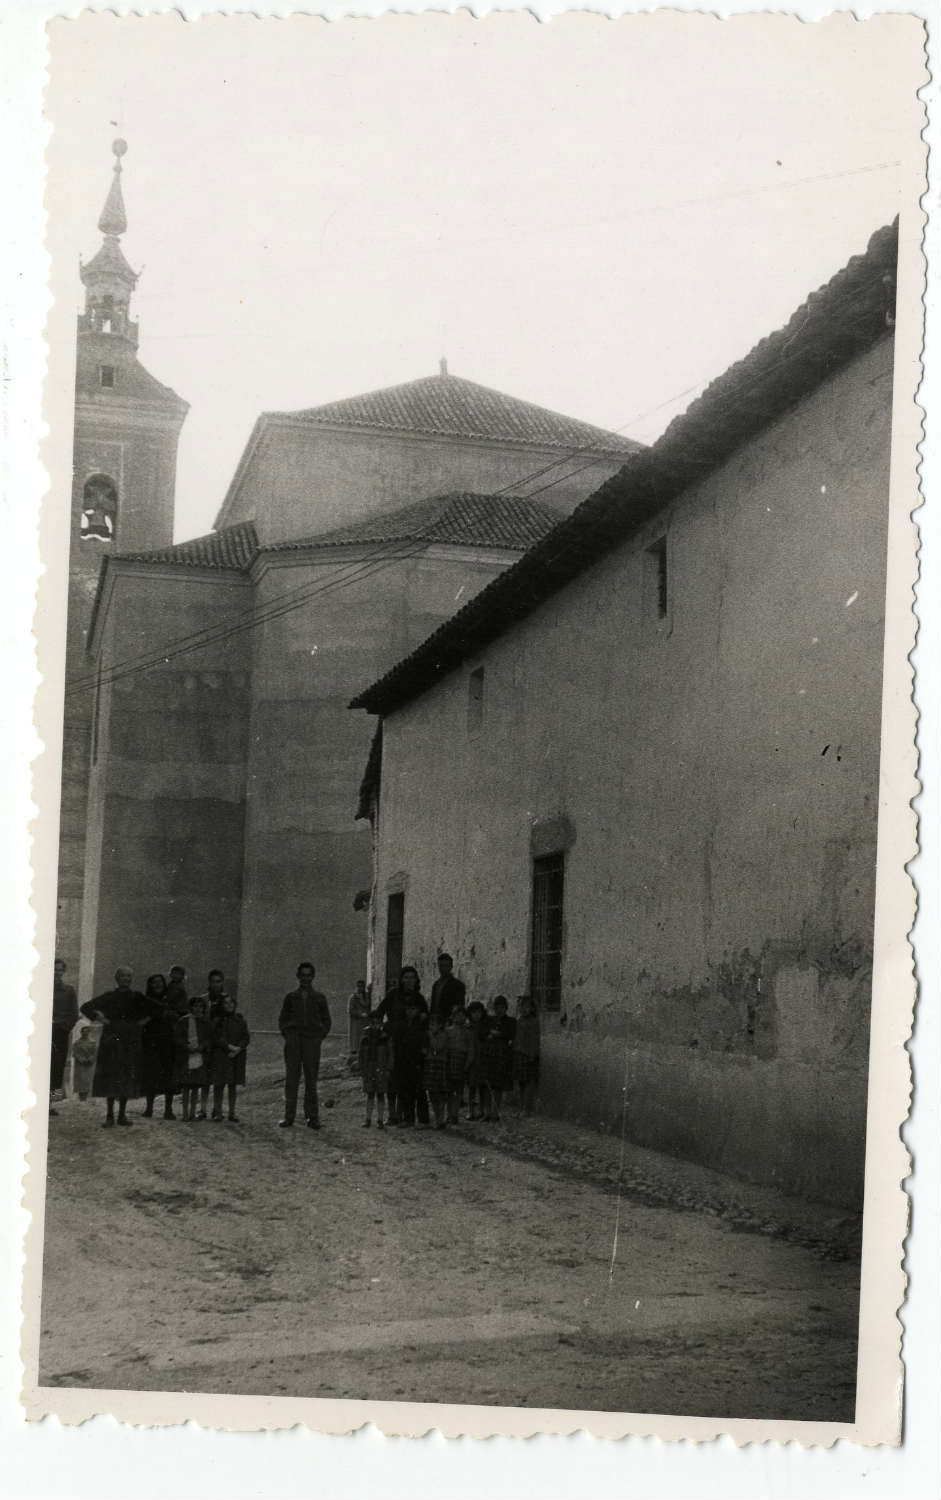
(393, 1011)
(123, 1013)
(157, 1050)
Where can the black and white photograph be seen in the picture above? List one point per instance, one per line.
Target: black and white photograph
(481, 457)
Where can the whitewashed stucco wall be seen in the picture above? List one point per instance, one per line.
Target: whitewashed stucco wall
(720, 780)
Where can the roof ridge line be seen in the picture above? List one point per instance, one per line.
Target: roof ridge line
(695, 444)
(514, 522)
(361, 410)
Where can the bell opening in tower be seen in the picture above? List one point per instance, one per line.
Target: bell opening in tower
(99, 509)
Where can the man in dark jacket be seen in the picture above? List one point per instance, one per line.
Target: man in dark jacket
(214, 994)
(447, 990)
(304, 1022)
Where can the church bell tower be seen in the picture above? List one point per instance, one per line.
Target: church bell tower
(127, 426)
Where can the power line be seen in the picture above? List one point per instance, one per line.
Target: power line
(769, 370)
(374, 562)
(211, 635)
(629, 421)
(247, 619)
(173, 651)
(205, 631)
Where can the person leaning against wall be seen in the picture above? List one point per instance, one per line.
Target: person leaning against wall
(304, 1023)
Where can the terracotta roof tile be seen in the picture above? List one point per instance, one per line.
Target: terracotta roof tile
(835, 325)
(233, 547)
(448, 405)
(461, 519)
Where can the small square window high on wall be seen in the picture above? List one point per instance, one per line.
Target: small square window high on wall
(475, 700)
(106, 376)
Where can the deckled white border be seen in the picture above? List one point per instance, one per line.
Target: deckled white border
(20, 547)
(876, 1419)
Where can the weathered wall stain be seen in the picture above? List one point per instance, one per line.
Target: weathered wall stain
(720, 886)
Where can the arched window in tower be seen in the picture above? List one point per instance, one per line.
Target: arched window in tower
(99, 509)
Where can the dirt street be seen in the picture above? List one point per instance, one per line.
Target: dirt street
(472, 1266)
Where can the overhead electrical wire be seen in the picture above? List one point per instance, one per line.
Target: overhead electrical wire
(297, 597)
(771, 369)
(380, 558)
(247, 619)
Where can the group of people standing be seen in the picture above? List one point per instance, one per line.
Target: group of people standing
(427, 1059)
(424, 1060)
(127, 1044)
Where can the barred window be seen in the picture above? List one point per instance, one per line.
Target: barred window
(547, 927)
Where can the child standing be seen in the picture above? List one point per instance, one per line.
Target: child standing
(193, 1045)
(455, 1050)
(436, 1070)
(373, 1058)
(526, 1053)
(84, 1052)
(498, 1053)
(478, 1094)
(357, 1011)
(230, 1038)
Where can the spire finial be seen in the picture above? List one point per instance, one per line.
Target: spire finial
(442, 366)
(113, 219)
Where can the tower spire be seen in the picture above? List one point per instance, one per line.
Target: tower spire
(107, 277)
(113, 218)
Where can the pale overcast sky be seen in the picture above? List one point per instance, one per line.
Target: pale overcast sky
(597, 216)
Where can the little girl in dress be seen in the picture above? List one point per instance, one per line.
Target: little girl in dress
(193, 1044)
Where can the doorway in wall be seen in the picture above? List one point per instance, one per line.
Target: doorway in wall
(395, 936)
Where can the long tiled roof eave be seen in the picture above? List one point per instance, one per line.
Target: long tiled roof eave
(461, 518)
(479, 622)
(859, 278)
(834, 325)
(233, 548)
